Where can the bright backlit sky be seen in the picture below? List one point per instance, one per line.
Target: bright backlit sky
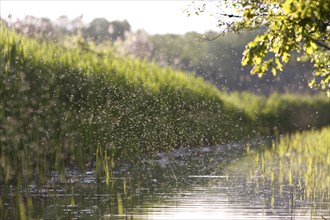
(152, 16)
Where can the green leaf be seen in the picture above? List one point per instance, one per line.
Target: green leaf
(309, 49)
(278, 64)
(257, 60)
(274, 71)
(285, 57)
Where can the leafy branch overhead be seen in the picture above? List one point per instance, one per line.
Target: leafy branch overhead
(301, 26)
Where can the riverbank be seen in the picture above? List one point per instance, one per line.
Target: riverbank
(226, 181)
(60, 105)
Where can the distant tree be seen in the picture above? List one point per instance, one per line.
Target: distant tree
(219, 61)
(117, 29)
(61, 24)
(180, 51)
(33, 26)
(136, 44)
(76, 25)
(100, 29)
(301, 26)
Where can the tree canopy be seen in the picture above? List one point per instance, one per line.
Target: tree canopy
(290, 26)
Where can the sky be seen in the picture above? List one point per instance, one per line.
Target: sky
(156, 17)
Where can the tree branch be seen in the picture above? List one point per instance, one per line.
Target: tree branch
(206, 39)
(320, 44)
(231, 15)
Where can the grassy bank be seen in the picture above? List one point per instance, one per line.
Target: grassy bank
(283, 113)
(59, 105)
(299, 162)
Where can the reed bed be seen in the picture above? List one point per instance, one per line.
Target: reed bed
(58, 105)
(69, 107)
(297, 163)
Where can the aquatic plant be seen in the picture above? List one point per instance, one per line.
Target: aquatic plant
(299, 162)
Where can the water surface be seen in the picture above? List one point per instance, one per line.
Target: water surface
(188, 183)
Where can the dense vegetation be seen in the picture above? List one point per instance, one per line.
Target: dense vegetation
(59, 105)
(217, 61)
(290, 26)
(282, 113)
(299, 160)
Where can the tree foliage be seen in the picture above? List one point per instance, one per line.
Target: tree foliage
(100, 30)
(301, 26)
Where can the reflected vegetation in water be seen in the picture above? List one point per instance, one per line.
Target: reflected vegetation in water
(215, 182)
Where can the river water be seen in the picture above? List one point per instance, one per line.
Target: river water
(188, 183)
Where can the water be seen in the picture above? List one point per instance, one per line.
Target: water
(190, 183)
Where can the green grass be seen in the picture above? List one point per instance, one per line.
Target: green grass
(305, 160)
(282, 113)
(58, 105)
(300, 160)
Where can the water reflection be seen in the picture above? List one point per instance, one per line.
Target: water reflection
(185, 184)
(221, 201)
